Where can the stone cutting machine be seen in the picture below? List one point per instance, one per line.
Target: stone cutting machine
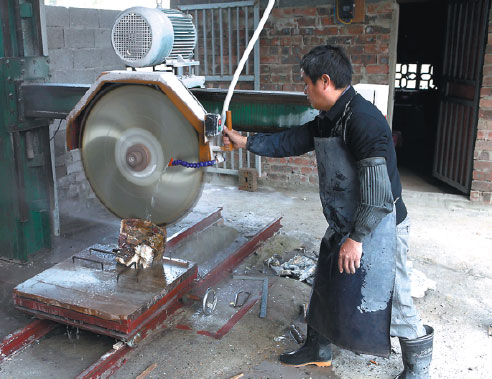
(144, 138)
(145, 141)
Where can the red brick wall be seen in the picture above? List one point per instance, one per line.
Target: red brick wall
(482, 166)
(292, 32)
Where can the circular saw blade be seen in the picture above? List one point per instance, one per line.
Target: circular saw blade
(129, 136)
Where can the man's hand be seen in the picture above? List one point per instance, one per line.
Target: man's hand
(349, 256)
(232, 136)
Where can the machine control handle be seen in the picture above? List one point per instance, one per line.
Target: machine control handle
(228, 126)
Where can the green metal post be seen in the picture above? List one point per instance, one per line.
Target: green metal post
(25, 166)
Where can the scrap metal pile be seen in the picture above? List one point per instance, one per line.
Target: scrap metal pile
(297, 264)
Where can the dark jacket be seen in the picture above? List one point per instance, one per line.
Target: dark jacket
(367, 135)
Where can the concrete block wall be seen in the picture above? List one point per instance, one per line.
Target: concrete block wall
(482, 165)
(79, 44)
(79, 49)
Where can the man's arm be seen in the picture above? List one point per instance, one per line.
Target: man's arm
(294, 141)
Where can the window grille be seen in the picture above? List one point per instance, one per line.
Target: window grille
(414, 76)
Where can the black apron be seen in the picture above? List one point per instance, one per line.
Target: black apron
(352, 310)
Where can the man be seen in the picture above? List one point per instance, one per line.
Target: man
(361, 291)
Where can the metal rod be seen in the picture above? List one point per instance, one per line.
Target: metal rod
(91, 249)
(196, 53)
(205, 58)
(229, 26)
(238, 40)
(264, 293)
(233, 163)
(246, 35)
(248, 155)
(55, 213)
(256, 54)
(213, 42)
(264, 298)
(219, 5)
(88, 260)
(221, 44)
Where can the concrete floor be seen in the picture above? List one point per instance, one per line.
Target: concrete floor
(451, 243)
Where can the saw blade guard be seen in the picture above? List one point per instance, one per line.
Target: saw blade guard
(129, 132)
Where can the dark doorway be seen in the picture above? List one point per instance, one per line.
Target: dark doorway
(441, 46)
(418, 76)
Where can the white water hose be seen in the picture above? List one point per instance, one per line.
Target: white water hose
(244, 58)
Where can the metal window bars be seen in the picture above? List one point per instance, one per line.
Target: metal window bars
(223, 32)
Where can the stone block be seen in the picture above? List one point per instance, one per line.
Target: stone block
(107, 18)
(80, 177)
(487, 197)
(56, 16)
(73, 190)
(79, 38)
(82, 18)
(110, 59)
(63, 76)
(61, 60)
(86, 58)
(76, 156)
(56, 39)
(74, 167)
(60, 160)
(102, 38)
(248, 179)
(84, 76)
(65, 181)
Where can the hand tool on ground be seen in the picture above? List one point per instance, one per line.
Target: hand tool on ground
(264, 293)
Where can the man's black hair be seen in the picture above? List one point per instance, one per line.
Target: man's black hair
(330, 60)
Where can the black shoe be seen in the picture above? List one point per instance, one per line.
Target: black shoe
(417, 356)
(315, 351)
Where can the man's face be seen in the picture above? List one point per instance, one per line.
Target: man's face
(315, 92)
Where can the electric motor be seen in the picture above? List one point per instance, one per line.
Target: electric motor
(144, 37)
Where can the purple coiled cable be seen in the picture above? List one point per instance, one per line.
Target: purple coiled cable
(179, 162)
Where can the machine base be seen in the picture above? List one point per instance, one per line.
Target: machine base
(90, 291)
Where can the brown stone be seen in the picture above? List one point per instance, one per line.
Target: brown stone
(140, 241)
(248, 179)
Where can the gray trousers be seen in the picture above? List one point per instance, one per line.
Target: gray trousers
(405, 322)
